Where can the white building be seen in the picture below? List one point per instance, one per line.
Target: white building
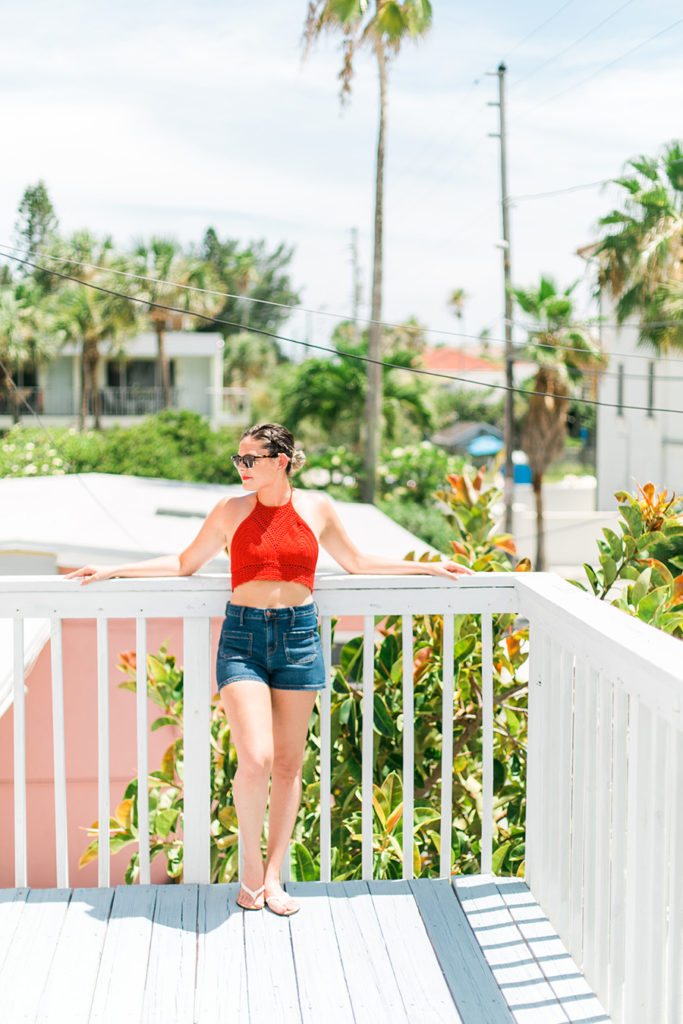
(129, 389)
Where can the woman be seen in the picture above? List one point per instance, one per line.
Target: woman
(269, 664)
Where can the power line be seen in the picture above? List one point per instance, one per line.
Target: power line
(339, 352)
(599, 71)
(538, 28)
(345, 316)
(581, 39)
(560, 191)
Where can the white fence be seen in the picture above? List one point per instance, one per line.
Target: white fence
(605, 758)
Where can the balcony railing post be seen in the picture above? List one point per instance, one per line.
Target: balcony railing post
(196, 750)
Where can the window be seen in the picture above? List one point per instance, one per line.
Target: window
(620, 389)
(136, 373)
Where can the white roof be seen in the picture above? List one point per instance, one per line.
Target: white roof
(177, 343)
(111, 518)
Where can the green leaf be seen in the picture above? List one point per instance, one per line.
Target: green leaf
(614, 542)
(302, 864)
(634, 518)
(384, 723)
(164, 720)
(592, 577)
(499, 855)
(165, 820)
(641, 587)
(609, 569)
(649, 605)
(464, 648)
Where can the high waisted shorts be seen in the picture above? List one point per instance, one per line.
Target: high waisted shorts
(277, 646)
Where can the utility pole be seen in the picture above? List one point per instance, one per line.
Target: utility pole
(355, 283)
(509, 425)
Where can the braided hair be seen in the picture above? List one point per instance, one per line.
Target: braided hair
(277, 438)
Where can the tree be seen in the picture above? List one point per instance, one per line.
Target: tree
(35, 231)
(640, 255)
(563, 354)
(91, 317)
(456, 301)
(257, 283)
(382, 27)
(331, 392)
(26, 335)
(174, 278)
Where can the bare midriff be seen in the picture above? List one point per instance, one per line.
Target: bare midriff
(271, 594)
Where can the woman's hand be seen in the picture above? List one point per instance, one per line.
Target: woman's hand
(91, 573)
(450, 569)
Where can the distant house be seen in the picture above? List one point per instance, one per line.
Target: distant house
(129, 388)
(470, 368)
(462, 436)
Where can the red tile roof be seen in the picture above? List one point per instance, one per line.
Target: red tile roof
(455, 359)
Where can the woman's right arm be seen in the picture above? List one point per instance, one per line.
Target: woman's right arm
(209, 541)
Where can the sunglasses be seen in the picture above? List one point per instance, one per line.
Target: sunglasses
(248, 460)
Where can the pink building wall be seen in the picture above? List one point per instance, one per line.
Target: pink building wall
(80, 714)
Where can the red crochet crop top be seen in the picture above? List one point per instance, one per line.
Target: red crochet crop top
(273, 543)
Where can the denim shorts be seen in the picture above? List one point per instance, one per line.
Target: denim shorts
(277, 646)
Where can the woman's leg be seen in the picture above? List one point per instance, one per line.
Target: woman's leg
(248, 708)
(291, 715)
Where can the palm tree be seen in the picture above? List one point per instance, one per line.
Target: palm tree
(91, 317)
(173, 275)
(456, 300)
(26, 336)
(382, 27)
(640, 256)
(563, 354)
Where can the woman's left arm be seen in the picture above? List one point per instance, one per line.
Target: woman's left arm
(337, 542)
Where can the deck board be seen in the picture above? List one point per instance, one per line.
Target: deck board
(473, 950)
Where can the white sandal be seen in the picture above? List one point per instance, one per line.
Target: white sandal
(281, 900)
(254, 893)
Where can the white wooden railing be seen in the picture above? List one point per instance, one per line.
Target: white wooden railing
(605, 756)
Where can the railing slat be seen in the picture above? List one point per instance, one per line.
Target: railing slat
(655, 890)
(142, 747)
(638, 756)
(367, 765)
(103, 800)
(673, 832)
(408, 744)
(531, 858)
(546, 755)
(487, 742)
(197, 761)
(19, 740)
(445, 858)
(617, 856)
(589, 802)
(59, 759)
(599, 927)
(581, 731)
(326, 756)
(565, 716)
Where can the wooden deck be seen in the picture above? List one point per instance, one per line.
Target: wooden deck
(477, 951)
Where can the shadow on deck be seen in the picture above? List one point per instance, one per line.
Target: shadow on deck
(478, 950)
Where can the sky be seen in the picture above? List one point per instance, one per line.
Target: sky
(167, 118)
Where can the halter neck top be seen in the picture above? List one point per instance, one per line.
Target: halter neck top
(273, 543)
